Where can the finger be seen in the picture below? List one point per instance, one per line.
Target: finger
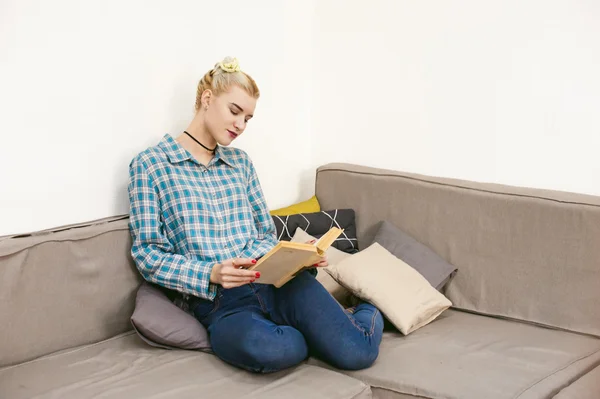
(243, 262)
(240, 273)
(238, 279)
(322, 263)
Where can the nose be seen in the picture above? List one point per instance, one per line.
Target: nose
(238, 124)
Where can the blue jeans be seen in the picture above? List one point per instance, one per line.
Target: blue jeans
(264, 329)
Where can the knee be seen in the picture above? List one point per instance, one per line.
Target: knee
(356, 359)
(276, 353)
(267, 353)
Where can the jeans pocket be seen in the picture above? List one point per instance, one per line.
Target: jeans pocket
(202, 308)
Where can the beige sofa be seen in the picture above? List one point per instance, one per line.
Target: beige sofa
(525, 322)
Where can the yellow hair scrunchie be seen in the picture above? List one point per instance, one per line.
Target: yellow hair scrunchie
(230, 66)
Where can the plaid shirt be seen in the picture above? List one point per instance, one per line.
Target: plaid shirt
(186, 217)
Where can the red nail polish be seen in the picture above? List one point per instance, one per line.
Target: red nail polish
(257, 274)
(253, 260)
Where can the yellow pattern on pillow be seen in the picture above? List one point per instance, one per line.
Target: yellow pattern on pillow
(309, 206)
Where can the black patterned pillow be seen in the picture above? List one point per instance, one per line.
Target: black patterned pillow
(318, 223)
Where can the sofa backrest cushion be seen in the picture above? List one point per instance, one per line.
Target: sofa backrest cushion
(521, 253)
(65, 287)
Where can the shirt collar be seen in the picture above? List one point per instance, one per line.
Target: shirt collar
(176, 153)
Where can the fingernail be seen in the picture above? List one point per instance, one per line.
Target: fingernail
(316, 264)
(253, 260)
(257, 274)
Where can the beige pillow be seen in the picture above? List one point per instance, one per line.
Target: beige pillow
(403, 295)
(334, 256)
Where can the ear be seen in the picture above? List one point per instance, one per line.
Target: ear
(206, 97)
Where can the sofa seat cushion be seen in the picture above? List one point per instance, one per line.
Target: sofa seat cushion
(126, 367)
(587, 387)
(462, 356)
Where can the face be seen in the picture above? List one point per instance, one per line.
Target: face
(228, 114)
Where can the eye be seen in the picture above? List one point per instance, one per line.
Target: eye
(233, 112)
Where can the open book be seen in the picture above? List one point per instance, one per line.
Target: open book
(287, 259)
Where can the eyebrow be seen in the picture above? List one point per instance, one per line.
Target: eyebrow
(240, 108)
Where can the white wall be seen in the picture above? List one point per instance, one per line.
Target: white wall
(497, 91)
(87, 85)
(500, 91)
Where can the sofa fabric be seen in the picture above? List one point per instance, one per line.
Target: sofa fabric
(587, 387)
(125, 367)
(418, 256)
(529, 257)
(76, 284)
(466, 356)
(521, 253)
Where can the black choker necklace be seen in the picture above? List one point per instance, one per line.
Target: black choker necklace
(208, 149)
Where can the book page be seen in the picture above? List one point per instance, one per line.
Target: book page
(327, 239)
(282, 262)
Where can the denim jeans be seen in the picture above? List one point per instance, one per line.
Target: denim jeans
(264, 329)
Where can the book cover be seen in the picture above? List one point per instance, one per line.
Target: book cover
(287, 259)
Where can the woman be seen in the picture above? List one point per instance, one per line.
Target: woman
(198, 219)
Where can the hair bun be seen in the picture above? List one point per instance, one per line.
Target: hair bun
(229, 64)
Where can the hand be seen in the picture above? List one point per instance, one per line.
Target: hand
(323, 262)
(232, 273)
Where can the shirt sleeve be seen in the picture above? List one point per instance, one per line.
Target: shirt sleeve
(152, 252)
(267, 237)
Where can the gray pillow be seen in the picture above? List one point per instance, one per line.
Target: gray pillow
(420, 257)
(161, 323)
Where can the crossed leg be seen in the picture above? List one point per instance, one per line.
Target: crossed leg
(346, 341)
(304, 319)
(250, 341)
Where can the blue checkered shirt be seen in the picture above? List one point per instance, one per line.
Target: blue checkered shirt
(186, 217)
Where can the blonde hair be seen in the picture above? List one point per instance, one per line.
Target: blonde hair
(225, 74)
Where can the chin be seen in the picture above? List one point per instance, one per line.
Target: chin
(225, 142)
